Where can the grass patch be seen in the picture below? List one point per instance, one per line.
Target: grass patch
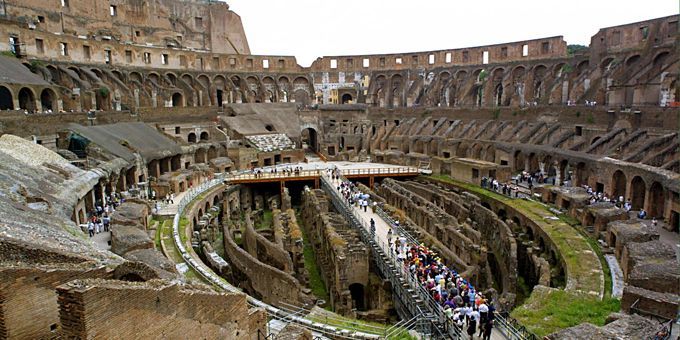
(316, 283)
(550, 311)
(578, 255)
(327, 317)
(267, 220)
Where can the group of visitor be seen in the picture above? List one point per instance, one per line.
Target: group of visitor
(98, 219)
(466, 308)
(506, 189)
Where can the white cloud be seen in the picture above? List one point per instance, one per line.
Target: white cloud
(309, 29)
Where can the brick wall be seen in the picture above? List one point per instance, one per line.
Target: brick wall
(28, 300)
(156, 309)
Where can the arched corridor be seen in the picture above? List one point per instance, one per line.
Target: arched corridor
(618, 184)
(6, 99)
(48, 100)
(637, 192)
(310, 138)
(27, 99)
(358, 296)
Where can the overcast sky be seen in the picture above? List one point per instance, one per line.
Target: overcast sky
(309, 29)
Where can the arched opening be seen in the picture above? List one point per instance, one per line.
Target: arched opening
(581, 177)
(177, 100)
(498, 95)
(356, 290)
(176, 162)
(637, 192)
(48, 99)
(502, 214)
(310, 139)
(656, 200)
(132, 277)
(347, 98)
(6, 101)
(212, 153)
(618, 184)
(26, 99)
(199, 156)
(191, 138)
(519, 161)
(204, 136)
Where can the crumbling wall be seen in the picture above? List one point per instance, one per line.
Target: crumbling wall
(262, 280)
(28, 299)
(123, 310)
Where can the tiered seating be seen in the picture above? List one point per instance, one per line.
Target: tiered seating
(271, 142)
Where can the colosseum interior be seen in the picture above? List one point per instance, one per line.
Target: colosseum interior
(158, 180)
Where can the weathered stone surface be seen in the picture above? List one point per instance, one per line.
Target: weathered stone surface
(125, 239)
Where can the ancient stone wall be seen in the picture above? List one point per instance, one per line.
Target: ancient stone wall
(119, 310)
(28, 297)
(341, 255)
(264, 250)
(263, 281)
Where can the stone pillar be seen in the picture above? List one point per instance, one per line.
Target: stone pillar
(154, 99)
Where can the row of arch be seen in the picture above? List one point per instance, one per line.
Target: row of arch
(25, 99)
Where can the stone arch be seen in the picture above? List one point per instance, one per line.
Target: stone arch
(605, 63)
(204, 80)
(204, 136)
(136, 77)
(490, 154)
(660, 58)
(346, 98)
(48, 99)
(497, 74)
(397, 83)
(6, 99)
(27, 99)
(502, 214)
(199, 155)
(172, 77)
(461, 74)
(118, 75)
(637, 192)
(358, 294)
(582, 67)
(498, 94)
(656, 200)
(178, 100)
(581, 175)
(187, 78)
(618, 184)
(154, 76)
(533, 163)
(191, 138)
(310, 137)
(557, 69)
(518, 72)
(631, 60)
(212, 152)
(519, 161)
(97, 72)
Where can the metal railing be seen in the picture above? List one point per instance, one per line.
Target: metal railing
(508, 326)
(666, 324)
(417, 301)
(263, 175)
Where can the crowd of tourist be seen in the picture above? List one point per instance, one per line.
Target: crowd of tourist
(466, 308)
(99, 219)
